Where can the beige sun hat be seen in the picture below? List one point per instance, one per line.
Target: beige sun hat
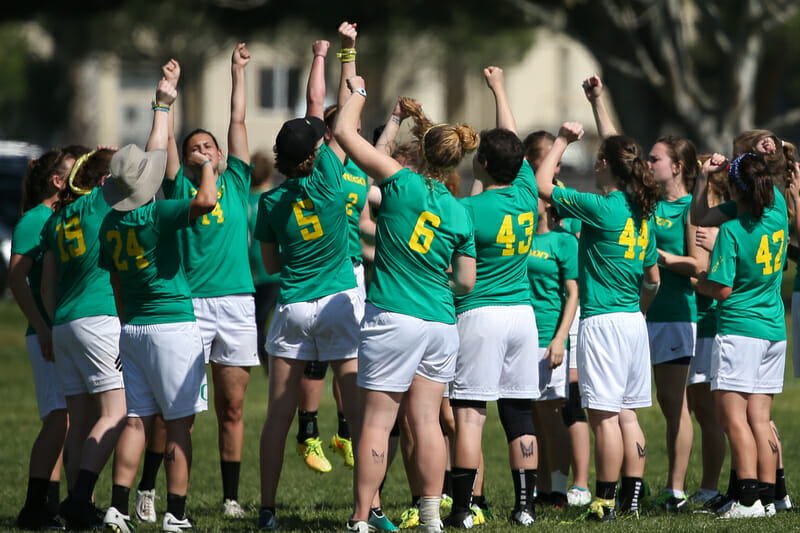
(135, 177)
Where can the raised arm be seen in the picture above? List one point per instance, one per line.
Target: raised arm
(172, 73)
(159, 134)
(593, 88)
(368, 158)
(569, 132)
(347, 56)
(237, 131)
(700, 211)
(496, 82)
(315, 90)
(206, 198)
(386, 141)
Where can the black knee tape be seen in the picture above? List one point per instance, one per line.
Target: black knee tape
(516, 417)
(477, 404)
(316, 370)
(573, 412)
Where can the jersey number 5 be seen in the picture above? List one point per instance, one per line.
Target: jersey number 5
(422, 237)
(304, 220)
(764, 257)
(629, 238)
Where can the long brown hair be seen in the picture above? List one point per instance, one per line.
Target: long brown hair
(750, 175)
(624, 158)
(38, 182)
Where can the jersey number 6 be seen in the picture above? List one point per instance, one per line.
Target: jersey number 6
(417, 243)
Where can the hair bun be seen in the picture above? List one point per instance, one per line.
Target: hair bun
(468, 136)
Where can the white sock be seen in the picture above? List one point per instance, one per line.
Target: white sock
(429, 509)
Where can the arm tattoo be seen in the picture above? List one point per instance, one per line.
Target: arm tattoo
(527, 451)
(641, 450)
(377, 458)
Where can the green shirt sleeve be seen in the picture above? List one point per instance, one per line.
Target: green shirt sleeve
(569, 256)
(723, 258)
(238, 174)
(263, 231)
(588, 207)
(651, 252)
(27, 236)
(526, 179)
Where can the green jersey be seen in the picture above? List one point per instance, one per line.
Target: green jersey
(214, 247)
(706, 316)
(748, 257)
(355, 186)
(307, 218)
(27, 241)
(553, 259)
(504, 220)
(420, 226)
(73, 235)
(141, 246)
(260, 275)
(675, 301)
(613, 249)
(572, 225)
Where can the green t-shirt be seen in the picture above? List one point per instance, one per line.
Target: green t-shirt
(572, 225)
(73, 235)
(420, 226)
(613, 249)
(214, 247)
(706, 316)
(748, 257)
(504, 221)
(307, 218)
(355, 187)
(675, 301)
(142, 247)
(27, 241)
(260, 276)
(553, 259)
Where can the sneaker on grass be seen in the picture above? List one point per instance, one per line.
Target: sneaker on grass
(311, 452)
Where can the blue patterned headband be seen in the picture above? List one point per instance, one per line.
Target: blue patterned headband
(733, 172)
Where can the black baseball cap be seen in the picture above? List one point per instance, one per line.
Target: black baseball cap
(298, 139)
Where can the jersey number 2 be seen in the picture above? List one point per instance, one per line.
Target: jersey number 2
(764, 257)
(132, 248)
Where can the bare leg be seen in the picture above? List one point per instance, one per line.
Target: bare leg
(732, 408)
(758, 407)
(714, 445)
(671, 394)
(608, 449)
(580, 443)
(178, 454)
(129, 449)
(230, 385)
(46, 449)
(82, 414)
(105, 433)
(634, 444)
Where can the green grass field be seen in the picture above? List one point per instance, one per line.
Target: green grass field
(316, 502)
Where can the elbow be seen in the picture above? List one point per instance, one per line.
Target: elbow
(205, 203)
(723, 293)
(463, 286)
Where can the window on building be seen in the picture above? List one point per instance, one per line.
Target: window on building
(280, 88)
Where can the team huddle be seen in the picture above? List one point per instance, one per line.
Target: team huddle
(136, 270)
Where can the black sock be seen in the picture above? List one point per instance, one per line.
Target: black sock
(152, 462)
(607, 490)
(630, 492)
(53, 496)
(306, 425)
(463, 480)
(766, 492)
(36, 497)
(748, 491)
(119, 498)
(84, 486)
(480, 501)
(270, 509)
(780, 484)
(733, 486)
(378, 511)
(524, 483)
(447, 487)
(415, 500)
(230, 479)
(176, 505)
(344, 427)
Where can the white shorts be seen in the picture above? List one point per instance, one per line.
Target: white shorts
(86, 354)
(746, 364)
(614, 362)
(228, 328)
(361, 284)
(573, 339)
(164, 369)
(553, 384)
(49, 394)
(323, 329)
(796, 333)
(671, 340)
(700, 368)
(496, 354)
(393, 347)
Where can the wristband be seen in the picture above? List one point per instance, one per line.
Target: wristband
(347, 55)
(204, 163)
(160, 107)
(362, 91)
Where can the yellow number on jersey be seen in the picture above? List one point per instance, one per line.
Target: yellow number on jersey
(506, 235)
(526, 219)
(629, 238)
(116, 238)
(779, 236)
(135, 250)
(132, 248)
(764, 257)
(420, 230)
(216, 212)
(303, 220)
(71, 231)
(352, 199)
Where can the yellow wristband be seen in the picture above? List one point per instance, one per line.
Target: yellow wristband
(347, 55)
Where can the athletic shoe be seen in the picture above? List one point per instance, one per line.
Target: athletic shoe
(434, 526)
(701, 496)
(39, 520)
(784, 504)
(312, 454)
(409, 518)
(738, 510)
(266, 521)
(170, 524)
(671, 503)
(447, 503)
(719, 504)
(232, 509)
(487, 511)
(477, 515)
(117, 522)
(379, 522)
(769, 509)
(601, 510)
(80, 514)
(146, 506)
(360, 527)
(460, 520)
(578, 497)
(523, 517)
(343, 447)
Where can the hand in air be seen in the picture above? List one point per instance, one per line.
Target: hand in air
(592, 87)
(240, 57)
